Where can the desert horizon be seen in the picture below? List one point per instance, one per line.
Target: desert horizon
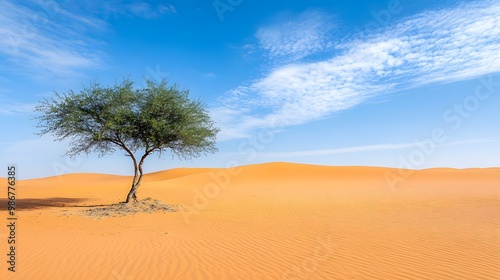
(188, 170)
(263, 221)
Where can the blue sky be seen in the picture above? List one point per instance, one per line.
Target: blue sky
(403, 83)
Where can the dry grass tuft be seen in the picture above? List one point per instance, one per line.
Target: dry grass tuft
(147, 205)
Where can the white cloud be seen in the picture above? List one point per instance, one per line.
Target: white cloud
(146, 10)
(296, 38)
(225, 115)
(43, 38)
(209, 75)
(436, 46)
(16, 108)
(366, 148)
(325, 152)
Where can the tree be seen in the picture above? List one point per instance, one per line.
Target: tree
(141, 122)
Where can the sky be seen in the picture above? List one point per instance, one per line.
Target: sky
(393, 83)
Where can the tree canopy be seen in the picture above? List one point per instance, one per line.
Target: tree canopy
(153, 119)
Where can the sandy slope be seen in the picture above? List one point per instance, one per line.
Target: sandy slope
(268, 221)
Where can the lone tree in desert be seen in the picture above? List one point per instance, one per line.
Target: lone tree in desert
(141, 122)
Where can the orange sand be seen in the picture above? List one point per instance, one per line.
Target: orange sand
(266, 221)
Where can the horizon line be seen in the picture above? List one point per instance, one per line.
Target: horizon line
(263, 163)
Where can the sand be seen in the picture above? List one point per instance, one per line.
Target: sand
(265, 221)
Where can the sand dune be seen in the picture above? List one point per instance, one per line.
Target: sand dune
(265, 221)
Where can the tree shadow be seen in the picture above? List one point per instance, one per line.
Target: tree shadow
(39, 203)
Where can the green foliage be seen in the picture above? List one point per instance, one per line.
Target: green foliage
(153, 119)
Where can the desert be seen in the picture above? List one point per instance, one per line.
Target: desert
(271, 221)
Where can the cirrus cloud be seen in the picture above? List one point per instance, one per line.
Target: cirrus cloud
(440, 46)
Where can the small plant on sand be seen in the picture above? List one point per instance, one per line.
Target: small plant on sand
(147, 205)
(140, 122)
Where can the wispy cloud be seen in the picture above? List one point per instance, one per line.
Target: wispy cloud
(10, 109)
(293, 39)
(365, 148)
(209, 75)
(439, 46)
(42, 37)
(325, 152)
(147, 10)
(124, 8)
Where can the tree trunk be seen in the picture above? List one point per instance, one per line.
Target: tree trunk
(137, 179)
(135, 186)
(132, 193)
(135, 182)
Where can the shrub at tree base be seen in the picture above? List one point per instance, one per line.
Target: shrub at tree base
(147, 205)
